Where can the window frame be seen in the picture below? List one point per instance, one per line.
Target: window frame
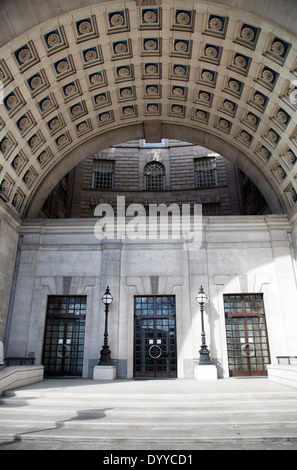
(103, 178)
(206, 174)
(156, 181)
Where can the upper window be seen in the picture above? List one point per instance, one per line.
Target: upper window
(206, 172)
(64, 306)
(211, 208)
(103, 174)
(154, 144)
(154, 176)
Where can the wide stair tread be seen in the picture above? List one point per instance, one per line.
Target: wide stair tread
(147, 419)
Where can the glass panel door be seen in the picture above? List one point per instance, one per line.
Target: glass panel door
(154, 343)
(64, 336)
(247, 342)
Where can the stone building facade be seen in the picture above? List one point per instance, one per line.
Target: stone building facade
(180, 185)
(190, 175)
(240, 261)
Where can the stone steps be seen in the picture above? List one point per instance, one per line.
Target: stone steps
(171, 416)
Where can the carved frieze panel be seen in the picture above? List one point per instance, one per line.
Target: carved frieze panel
(71, 90)
(179, 71)
(25, 123)
(38, 83)
(77, 110)
(150, 18)
(233, 86)
(183, 20)
(47, 104)
(97, 79)
(101, 100)
(13, 102)
(151, 70)
(5, 74)
(44, 157)
(55, 40)
(63, 140)
(26, 56)
(210, 53)
(86, 29)
(92, 56)
(64, 67)
(129, 111)
(106, 117)
(117, 21)
(124, 73)
(200, 115)
(204, 97)
(247, 35)
(83, 127)
(55, 124)
(19, 162)
(127, 93)
(215, 25)
(276, 49)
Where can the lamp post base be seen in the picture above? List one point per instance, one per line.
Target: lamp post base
(104, 373)
(205, 372)
(105, 356)
(205, 359)
(204, 355)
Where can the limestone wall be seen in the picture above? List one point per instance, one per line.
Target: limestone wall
(236, 255)
(9, 226)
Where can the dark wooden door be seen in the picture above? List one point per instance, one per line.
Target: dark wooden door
(155, 337)
(247, 342)
(64, 336)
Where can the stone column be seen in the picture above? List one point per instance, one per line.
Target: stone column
(1, 353)
(293, 220)
(284, 248)
(9, 236)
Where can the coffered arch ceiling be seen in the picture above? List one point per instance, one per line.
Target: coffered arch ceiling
(99, 75)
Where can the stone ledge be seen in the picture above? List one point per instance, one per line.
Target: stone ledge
(205, 372)
(104, 373)
(19, 376)
(283, 374)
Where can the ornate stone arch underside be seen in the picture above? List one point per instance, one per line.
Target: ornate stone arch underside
(107, 73)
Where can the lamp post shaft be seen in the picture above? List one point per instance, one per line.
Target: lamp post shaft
(202, 326)
(106, 326)
(105, 353)
(204, 351)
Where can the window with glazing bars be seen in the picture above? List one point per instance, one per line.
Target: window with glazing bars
(103, 174)
(206, 172)
(211, 208)
(154, 176)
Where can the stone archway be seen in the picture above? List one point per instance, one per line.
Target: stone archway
(139, 131)
(88, 75)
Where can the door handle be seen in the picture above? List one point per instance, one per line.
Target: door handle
(244, 347)
(157, 352)
(60, 354)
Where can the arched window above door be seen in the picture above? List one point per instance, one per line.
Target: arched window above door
(154, 176)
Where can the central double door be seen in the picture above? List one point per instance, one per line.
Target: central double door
(155, 337)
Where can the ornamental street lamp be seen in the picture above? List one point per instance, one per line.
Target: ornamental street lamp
(105, 359)
(204, 351)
